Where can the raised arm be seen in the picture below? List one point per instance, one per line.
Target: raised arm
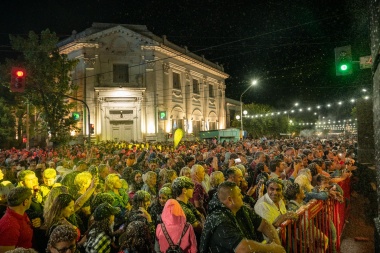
(82, 199)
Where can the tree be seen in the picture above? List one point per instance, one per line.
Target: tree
(13, 109)
(7, 123)
(47, 81)
(269, 125)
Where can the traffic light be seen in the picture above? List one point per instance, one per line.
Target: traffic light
(162, 115)
(343, 61)
(75, 115)
(17, 79)
(92, 128)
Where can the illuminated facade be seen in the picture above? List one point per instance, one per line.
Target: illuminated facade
(140, 87)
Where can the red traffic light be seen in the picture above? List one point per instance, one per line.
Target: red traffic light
(17, 79)
(20, 73)
(92, 128)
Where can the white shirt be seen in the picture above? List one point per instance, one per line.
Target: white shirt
(268, 210)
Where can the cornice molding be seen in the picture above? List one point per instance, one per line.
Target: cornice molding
(187, 60)
(74, 46)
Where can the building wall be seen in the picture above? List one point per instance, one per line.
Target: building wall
(129, 110)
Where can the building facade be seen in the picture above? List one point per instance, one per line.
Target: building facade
(141, 87)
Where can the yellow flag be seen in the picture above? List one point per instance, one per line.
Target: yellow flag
(178, 134)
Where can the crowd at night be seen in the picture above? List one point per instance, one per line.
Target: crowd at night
(120, 197)
(121, 77)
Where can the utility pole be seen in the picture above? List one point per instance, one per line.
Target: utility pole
(88, 115)
(27, 125)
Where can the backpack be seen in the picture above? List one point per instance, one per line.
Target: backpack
(174, 248)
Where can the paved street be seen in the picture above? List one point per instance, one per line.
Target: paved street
(358, 234)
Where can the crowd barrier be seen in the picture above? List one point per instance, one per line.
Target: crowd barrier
(319, 226)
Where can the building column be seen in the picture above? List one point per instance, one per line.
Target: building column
(140, 119)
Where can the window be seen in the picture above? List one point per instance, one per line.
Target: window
(212, 125)
(180, 123)
(195, 86)
(196, 127)
(177, 123)
(120, 73)
(211, 90)
(176, 81)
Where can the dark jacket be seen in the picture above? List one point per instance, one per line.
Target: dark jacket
(249, 222)
(219, 214)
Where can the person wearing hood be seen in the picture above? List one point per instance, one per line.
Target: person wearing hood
(174, 220)
(222, 232)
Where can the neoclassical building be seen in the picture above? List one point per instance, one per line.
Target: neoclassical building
(141, 87)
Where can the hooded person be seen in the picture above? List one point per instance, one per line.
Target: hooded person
(174, 221)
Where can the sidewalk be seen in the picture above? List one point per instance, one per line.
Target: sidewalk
(358, 233)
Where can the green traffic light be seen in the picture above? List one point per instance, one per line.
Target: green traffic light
(162, 115)
(343, 67)
(76, 115)
(343, 61)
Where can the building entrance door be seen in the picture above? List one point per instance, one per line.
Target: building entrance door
(122, 130)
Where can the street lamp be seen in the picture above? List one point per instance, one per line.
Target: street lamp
(253, 83)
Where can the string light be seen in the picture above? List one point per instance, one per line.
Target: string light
(307, 109)
(324, 123)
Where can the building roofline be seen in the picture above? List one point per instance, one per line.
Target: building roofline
(141, 29)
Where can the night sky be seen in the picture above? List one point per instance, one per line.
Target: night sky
(287, 45)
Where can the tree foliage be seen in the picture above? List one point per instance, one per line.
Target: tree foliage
(7, 123)
(47, 80)
(262, 126)
(269, 123)
(13, 106)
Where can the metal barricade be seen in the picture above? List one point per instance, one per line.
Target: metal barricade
(319, 226)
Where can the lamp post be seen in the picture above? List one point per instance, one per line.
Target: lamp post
(254, 82)
(88, 115)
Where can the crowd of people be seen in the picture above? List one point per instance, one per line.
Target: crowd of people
(144, 197)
